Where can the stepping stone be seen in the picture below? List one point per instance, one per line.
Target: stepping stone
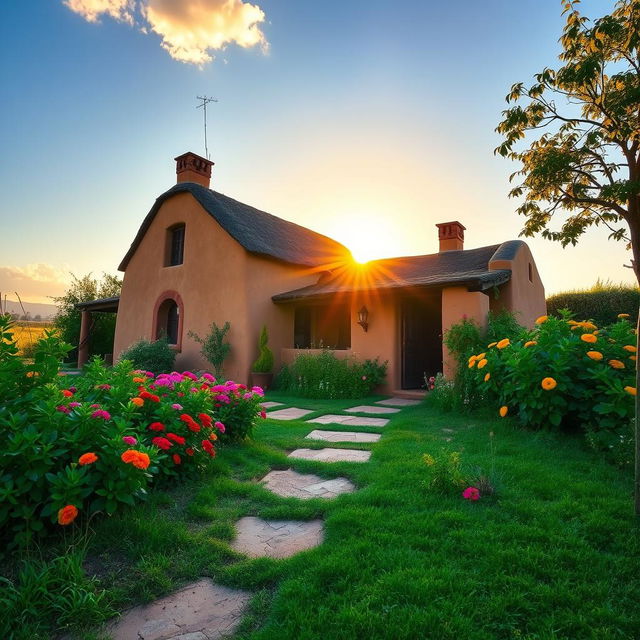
(258, 538)
(291, 413)
(201, 611)
(270, 405)
(354, 421)
(367, 408)
(331, 455)
(399, 402)
(291, 484)
(343, 436)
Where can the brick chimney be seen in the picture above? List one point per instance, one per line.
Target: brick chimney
(193, 168)
(451, 236)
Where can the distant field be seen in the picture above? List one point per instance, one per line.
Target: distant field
(28, 333)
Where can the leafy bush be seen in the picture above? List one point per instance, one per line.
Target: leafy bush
(214, 348)
(444, 395)
(155, 356)
(325, 376)
(264, 363)
(445, 471)
(601, 303)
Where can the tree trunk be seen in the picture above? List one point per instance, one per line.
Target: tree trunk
(637, 427)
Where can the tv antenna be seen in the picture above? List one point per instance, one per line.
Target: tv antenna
(205, 100)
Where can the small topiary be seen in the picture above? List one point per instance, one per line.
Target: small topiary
(264, 363)
(157, 357)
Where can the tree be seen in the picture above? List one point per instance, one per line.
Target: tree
(67, 319)
(585, 158)
(213, 346)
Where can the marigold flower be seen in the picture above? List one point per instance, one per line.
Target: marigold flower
(632, 358)
(480, 356)
(67, 515)
(573, 323)
(548, 384)
(492, 344)
(472, 363)
(594, 355)
(623, 315)
(471, 493)
(87, 458)
(137, 401)
(631, 390)
(136, 458)
(542, 319)
(589, 337)
(161, 443)
(530, 343)
(503, 411)
(616, 364)
(483, 363)
(487, 376)
(630, 348)
(589, 326)
(503, 343)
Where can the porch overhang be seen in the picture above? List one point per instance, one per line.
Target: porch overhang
(104, 305)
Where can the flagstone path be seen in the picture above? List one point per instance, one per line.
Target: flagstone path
(290, 413)
(367, 408)
(343, 436)
(270, 405)
(331, 455)
(291, 484)
(354, 421)
(399, 402)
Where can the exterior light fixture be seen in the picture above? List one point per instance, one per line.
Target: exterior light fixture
(363, 318)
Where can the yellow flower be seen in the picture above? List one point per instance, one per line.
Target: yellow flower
(631, 390)
(589, 337)
(589, 326)
(493, 344)
(616, 364)
(530, 343)
(428, 460)
(630, 348)
(487, 376)
(481, 356)
(623, 315)
(548, 383)
(482, 363)
(594, 355)
(572, 322)
(503, 343)
(503, 411)
(542, 319)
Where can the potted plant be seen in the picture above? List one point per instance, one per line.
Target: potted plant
(262, 370)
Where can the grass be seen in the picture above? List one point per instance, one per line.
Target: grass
(553, 555)
(28, 333)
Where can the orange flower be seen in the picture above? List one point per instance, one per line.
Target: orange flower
(632, 358)
(616, 364)
(471, 364)
(67, 515)
(503, 343)
(589, 326)
(482, 363)
(548, 384)
(530, 343)
(623, 315)
(542, 319)
(589, 337)
(631, 390)
(487, 377)
(32, 374)
(480, 356)
(136, 458)
(139, 380)
(87, 458)
(493, 344)
(630, 348)
(66, 393)
(594, 355)
(137, 401)
(503, 411)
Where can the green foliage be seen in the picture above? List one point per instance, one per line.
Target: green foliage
(67, 320)
(213, 346)
(445, 471)
(601, 303)
(584, 117)
(264, 363)
(325, 376)
(444, 395)
(157, 356)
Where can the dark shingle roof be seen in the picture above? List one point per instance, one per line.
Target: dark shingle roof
(468, 268)
(257, 231)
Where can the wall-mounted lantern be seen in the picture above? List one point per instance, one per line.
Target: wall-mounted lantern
(363, 318)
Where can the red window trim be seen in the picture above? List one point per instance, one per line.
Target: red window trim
(177, 298)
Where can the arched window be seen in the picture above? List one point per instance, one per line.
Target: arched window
(167, 320)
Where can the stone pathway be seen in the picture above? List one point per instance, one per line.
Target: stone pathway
(354, 421)
(331, 455)
(259, 538)
(270, 405)
(291, 484)
(399, 402)
(201, 611)
(290, 413)
(343, 436)
(367, 408)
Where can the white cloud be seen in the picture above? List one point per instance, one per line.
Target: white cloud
(34, 282)
(190, 29)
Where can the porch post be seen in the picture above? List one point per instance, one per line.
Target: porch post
(83, 344)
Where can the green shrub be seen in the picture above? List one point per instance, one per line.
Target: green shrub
(601, 303)
(444, 395)
(157, 356)
(445, 471)
(214, 349)
(325, 376)
(264, 363)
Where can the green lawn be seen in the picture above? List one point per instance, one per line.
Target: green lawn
(555, 554)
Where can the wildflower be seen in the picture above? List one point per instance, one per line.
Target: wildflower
(623, 315)
(594, 355)
(176, 459)
(630, 348)
(589, 337)
(483, 363)
(156, 426)
(503, 343)
(161, 443)
(87, 458)
(548, 384)
(616, 364)
(67, 515)
(530, 343)
(493, 344)
(542, 319)
(66, 393)
(99, 413)
(503, 411)
(136, 458)
(129, 440)
(487, 377)
(176, 438)
(428, 460)
(138, 402)
(471, 493)
(220, 427)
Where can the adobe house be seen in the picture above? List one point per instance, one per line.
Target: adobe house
(201, 257)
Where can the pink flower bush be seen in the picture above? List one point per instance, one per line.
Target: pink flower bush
(471, 493)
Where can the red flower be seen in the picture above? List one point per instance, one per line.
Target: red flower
(161, 443)
(205, 418)
(263, 414)
(186, 418)
(208, 447)
(189, 451)
(177, 439)
(176, 458)
(156, 426)
(67, 515)
(66, 393)
(194, 427)
(149, 396)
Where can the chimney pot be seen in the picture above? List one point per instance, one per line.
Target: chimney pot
(451, 236)
(191, 167)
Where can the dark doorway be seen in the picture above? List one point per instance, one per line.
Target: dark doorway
(421, 333)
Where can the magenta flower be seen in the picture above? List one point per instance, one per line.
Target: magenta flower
(258, 390)
(73, 405)
(188, 374)
(471, 493)
(220, 427)
(105, 415)
(129, 440)
(62, 409)
(248, 395)
(263, 414)
(176, 406)
(149, 374)
(104, 387)
(94, 406)
(208, 377)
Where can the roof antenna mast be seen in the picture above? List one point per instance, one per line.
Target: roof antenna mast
(204, 102)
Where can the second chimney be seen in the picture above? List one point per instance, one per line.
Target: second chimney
(451, 236)
(193, 168)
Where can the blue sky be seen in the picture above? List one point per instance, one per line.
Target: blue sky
(367, 121)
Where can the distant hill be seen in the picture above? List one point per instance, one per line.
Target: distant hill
(44, 310)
